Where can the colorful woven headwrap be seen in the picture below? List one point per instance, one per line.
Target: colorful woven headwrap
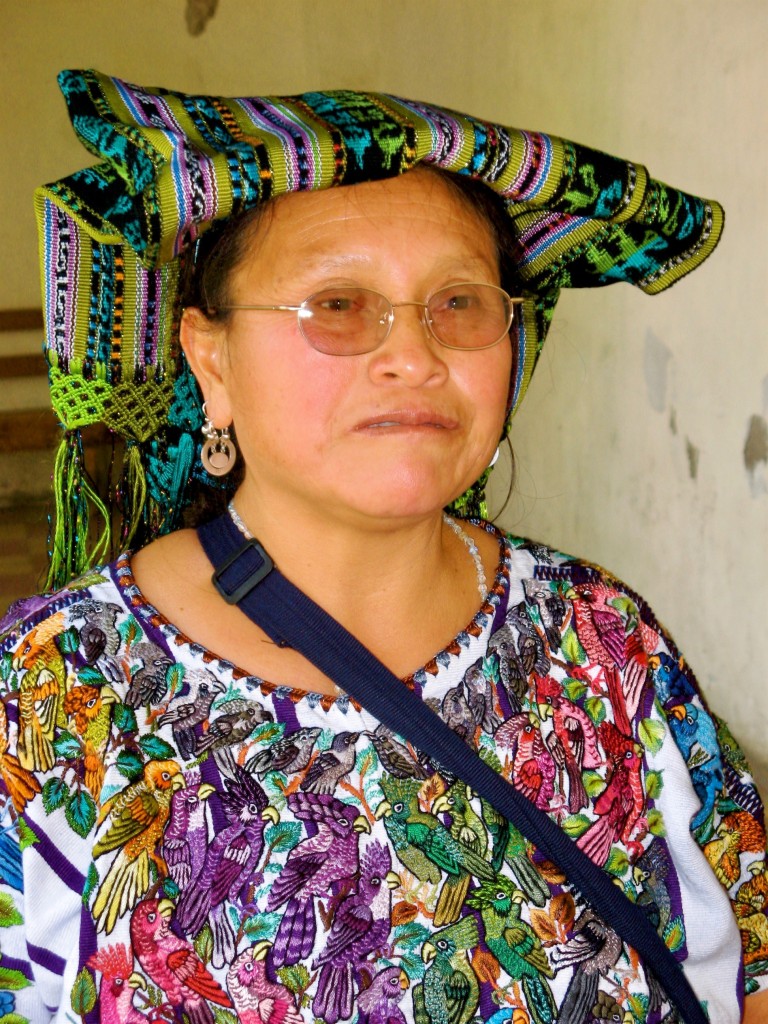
(113, 237)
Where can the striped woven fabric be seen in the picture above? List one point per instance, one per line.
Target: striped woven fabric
(171, 165)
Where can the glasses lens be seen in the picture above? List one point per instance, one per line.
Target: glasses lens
(345, 321)
(470, 315)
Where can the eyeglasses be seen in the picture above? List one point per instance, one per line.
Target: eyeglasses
(351, 321)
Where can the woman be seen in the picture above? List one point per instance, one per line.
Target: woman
(211, 829)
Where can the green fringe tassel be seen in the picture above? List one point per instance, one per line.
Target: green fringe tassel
(70, 549)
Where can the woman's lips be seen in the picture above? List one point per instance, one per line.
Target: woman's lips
(408, 419)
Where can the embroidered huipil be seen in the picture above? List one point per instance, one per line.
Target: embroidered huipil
(183, 842)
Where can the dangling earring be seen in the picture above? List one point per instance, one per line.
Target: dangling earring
(495, 458)
(219, 452)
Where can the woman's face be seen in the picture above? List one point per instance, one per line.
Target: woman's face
(398, 432)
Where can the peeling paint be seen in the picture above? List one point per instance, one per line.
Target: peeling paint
(756, 454)
(656, 362)
(198, 14)
(693, 458)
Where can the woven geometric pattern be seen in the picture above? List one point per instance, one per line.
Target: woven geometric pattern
(136, 411)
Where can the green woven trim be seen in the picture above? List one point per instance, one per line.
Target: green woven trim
(684, 264)
(133, 410)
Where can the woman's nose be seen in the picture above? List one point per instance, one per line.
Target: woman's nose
(409, 353)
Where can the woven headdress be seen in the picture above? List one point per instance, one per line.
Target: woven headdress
(113, 237)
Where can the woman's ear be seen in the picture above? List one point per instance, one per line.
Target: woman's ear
(203, 343)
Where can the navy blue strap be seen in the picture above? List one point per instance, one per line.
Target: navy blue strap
(245, 576)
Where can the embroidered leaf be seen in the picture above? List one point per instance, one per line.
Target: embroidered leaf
(618, 862)
(6, 667)
(68, 641)
(654, 783)
(594, 783)
(283, 836)
(91, 881)
(296, 979)
(26, 836)
(128, 630)
(91, 676)
(14, 1018)
(485, 966)
(576, 825)
(411, 935)
(204, 944)
(574, 689)
(550, 872)
(543, 925)
(651, 734)
(365, 761)
(8, 913)
(489, 755)
(639, 1006)
(67, 746)
(268, 731)
(403, 913)
(129, 764)
(431, 789)
(156, 749)
(261, 926)
(656, 822)
(563, 910)
(80, 812)
(223, 1016)
(175, 677)
(674, 934)
(83, 993)
(571, 647)
(12, 980)
(124, 718)
(171, 889)
(54, 794)
(595, 708)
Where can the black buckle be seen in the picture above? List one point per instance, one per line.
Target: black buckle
(253, 578)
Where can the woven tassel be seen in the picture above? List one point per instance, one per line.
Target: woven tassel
(136, 488)
(70, 552)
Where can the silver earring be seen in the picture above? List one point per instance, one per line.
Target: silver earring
(219, 452)
(495, 458)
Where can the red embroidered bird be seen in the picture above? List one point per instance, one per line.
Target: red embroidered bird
(573, 742)
(258, 1000)
(172, 963)
(118, 985)
(621, 803)
(608, 626)
(533, 768)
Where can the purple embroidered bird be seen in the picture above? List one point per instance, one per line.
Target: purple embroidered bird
(185, 838)
(230, 863)
(360, 926)
(328, 855)
(378, 1003)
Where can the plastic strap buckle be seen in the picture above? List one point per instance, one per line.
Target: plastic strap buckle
(242, 578)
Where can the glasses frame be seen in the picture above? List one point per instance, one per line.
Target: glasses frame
(388, 318)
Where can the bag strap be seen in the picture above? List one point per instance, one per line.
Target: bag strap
(245, 575)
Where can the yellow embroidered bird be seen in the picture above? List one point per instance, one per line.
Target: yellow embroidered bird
(20, 783)
(88, 710)
(41, 693)
(138, 815)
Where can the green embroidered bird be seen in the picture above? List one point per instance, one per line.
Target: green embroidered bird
(414, 831)
(515, 944)
(466, 824)
(510, 845)
(450, 991)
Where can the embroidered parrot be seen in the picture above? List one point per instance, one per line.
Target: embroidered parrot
(449, 993)
(621, 803)
(20, 783)
(573, 742)
(510, 846)
(328, 856)
(137, 816)
(425, 833)
(532, 769)
(696, 737)
(185, 837)
(89, 715)
(172, 964)
(378, 1004)
(515, 944)
(41, 693)
(466, 825)
(592, 950)
(256, 999)
(118, 985)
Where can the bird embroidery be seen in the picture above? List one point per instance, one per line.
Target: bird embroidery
(119, 983)
(137, 816)
(449, 993)
(573, 741)
(185, 837)
(89, 713)
(20, 783)
(360, 926)
(256, 999)
(172, 963)
(41, 693)
(592, 950)
(184, 716)
(515, 944)
(378, 1004)
(329, 855)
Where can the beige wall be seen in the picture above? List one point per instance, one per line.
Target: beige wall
(631, 448)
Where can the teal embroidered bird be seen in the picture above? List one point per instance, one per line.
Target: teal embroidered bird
(515, 944)
(423, 833)
(450, 991)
